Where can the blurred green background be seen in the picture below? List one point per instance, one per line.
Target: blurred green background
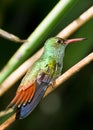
(70, 107)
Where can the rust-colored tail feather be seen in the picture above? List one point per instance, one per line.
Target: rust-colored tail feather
(23, 96)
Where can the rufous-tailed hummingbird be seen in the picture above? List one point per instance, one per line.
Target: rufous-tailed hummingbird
(43, 72)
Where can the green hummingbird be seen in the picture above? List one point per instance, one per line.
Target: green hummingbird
(43, 73)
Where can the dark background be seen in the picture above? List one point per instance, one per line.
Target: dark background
(70, 107)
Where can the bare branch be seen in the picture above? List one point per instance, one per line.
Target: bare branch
(10, 36)
(8, 122)
(71, 28)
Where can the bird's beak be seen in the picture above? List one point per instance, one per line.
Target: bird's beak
(68, 41)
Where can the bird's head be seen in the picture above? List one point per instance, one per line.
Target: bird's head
(58, 42)
(56, 46)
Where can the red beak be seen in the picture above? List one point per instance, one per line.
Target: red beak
(74, 40)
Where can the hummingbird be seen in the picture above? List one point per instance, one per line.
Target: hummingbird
(42, 73)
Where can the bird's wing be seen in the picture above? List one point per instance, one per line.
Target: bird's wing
(42, 83)
(27, 99)
(28, 108)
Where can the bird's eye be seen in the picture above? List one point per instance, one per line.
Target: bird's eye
(59, 41)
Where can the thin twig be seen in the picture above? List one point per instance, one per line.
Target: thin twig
(6, 112)
(59, 81)
(71, 28)
(8, 122)
(10, 36)
(16, 75)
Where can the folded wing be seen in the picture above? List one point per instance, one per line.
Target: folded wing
(27, 99)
